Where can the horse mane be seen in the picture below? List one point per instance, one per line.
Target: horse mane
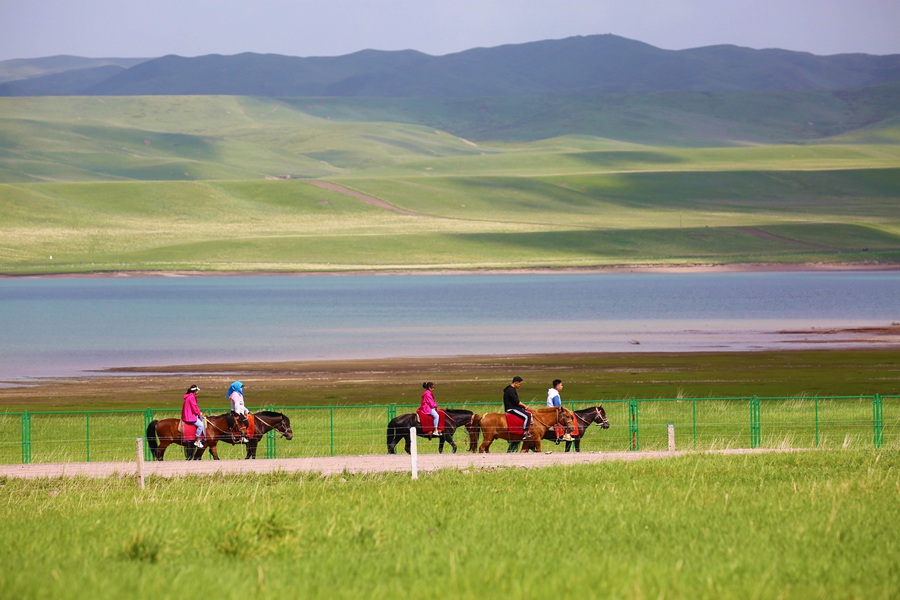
(268, 413)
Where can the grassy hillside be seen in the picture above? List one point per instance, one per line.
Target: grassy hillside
(160, 183)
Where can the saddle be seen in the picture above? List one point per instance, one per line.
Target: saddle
(561, 431)
(188, 431)
(426, 422)
(515, 424)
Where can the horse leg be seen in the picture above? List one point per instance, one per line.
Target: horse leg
(486, 444)
(513, 447)
(189, 452)
(214, 452)
(577, 445)
(406, 442)
(161, 449)
(451, 442)
(251, 449)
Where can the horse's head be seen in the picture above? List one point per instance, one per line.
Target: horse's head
(600, 417)
(284, 427)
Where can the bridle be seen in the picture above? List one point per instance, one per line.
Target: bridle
(273, 427)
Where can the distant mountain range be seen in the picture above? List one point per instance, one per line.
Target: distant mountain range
(590, 64)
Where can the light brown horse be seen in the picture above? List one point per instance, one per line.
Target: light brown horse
(493, 426)
(221, 427)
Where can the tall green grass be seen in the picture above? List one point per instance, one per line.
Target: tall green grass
(800, 525)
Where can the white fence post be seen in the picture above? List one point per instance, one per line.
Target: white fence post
(414, 452)
(671, 437)
(139, 448)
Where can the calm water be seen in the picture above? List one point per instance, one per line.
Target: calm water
(60, 327)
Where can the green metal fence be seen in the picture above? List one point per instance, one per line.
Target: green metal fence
(636, 424)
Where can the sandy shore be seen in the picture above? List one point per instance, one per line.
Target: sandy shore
(636, 268)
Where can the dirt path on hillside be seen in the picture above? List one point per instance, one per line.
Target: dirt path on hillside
(335, 465)
(760, 233)
(371, 200)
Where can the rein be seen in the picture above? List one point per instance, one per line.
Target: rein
(549, 425)
(269, 425)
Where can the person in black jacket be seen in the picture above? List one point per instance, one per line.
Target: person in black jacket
(511, 404)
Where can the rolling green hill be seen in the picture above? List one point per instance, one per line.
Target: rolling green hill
(223, 183)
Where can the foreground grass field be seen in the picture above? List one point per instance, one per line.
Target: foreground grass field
(810, 524)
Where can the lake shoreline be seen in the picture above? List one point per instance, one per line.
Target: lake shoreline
(603, 269)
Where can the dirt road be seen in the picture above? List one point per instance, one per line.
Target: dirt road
(339, 464)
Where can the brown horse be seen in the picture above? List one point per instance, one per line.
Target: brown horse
(221, 427)
(583, 418)
(263, 422)
(493, 426)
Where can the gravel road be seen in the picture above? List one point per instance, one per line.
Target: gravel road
(338, 464)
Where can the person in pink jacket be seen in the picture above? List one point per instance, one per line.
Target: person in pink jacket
(429, 405)
(190, 413)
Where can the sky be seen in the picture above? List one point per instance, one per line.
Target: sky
(152, 28)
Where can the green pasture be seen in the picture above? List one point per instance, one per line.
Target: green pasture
(807, 524)
(198, 183)
(342, 430)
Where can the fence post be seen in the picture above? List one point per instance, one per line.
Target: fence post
(331, 428)
(633, 424)
(671, 428)
(414, 453)
(817, 421)
(148, 417)
(139, 452)
(877, 421)
(755, 429)
(87, 435)
(694, 419)
(26, 438)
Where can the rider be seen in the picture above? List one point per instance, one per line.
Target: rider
(236, 395)
(429, 405)
(553, 401)
(191, 414)
(511, 404)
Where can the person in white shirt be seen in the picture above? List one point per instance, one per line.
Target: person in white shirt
(554, 400)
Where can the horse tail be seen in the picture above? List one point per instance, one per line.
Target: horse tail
(474, 429)
(151, 437)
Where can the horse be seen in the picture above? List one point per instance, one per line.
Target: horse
(263, 422)
(493, 426)
(583, 418)
(217, 427)
(398, 429)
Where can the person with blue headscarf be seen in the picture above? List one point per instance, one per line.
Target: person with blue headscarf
(236, 395)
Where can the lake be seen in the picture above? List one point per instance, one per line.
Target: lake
(65, 326)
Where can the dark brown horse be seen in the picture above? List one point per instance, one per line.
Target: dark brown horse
(263, 422)
(221, 427)
(583, 418)
(398, 429)
(493, 426)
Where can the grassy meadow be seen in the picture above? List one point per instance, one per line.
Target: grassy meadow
(810, 524)
(198, 183)
(810, 399)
